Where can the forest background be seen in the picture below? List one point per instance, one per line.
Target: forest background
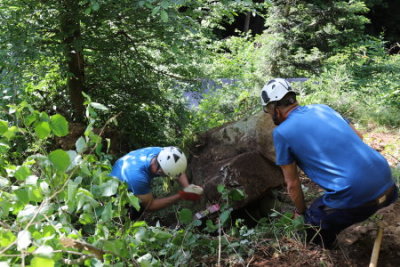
(127, 67)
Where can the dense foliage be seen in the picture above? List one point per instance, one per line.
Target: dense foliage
(61, 59)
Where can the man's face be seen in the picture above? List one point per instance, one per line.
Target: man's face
(273, 112)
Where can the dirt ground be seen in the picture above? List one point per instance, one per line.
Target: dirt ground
(355, 244)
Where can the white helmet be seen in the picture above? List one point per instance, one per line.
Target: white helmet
(275, 90)
(172, 161)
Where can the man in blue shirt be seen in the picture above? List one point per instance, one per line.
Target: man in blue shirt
(357, 179)
(139, 167)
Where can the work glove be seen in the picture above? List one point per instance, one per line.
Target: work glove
(191, 192)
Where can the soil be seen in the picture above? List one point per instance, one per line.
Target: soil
(355, 243)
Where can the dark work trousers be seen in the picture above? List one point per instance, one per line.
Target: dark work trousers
(328, 222)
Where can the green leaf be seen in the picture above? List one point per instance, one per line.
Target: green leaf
(44, 251)
(60, 159)
(42, 129)
(10, 133)
(185, 216)
(134, 201)
(80, 145)
(109, 188)
(220, 188)
(22, 195)
(59, 125)
(98, 106)
(22, 173)
(164, 16)
(6, 238)
(236, 195)
(95, 6)
(24, 239)
(106, 215)
(3, 126)
(225, 216)
(42, 262)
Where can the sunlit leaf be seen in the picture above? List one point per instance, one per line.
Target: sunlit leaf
(80, 145)
(59, 125)
(22, 173)
(3, 126)
(98, 106)
(42, 262)
(44, 251)
(23, 240)
(6, 238)
(60, 159)
(42, 129)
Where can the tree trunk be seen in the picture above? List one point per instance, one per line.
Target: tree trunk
(72, 41)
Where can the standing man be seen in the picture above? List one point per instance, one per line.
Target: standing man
(357, 179)
(139, 167)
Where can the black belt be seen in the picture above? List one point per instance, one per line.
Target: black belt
(382, 198)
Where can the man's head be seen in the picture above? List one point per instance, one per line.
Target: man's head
(172, 161)
(277, 98)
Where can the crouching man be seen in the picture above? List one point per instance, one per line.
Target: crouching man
(140, 166)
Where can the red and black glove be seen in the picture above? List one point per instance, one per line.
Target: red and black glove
(189, 196)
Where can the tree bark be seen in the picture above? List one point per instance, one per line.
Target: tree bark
(73, 53)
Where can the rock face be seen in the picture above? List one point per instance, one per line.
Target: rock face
(238, 155)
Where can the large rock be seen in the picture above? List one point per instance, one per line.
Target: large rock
(237, 155)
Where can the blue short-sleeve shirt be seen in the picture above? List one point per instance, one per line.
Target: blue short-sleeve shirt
(330, 153)
(134, 169)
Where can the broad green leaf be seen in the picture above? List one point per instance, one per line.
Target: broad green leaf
(119, 247)
(98, 106)
(160, 234)
(4, 147)
(44, 251)
(60, 159)
(155, 10)
(59, 125)
(185, 216)
(164, 16)
(35, 194)
(3, 126)
(10, 133)
(225, 216)
(134, 201)
(22, 195)
(236, 194)
(95, 6)
(22, 173)
(72, 188)
(86, 218)
(41, 262)
(42, 129)
(23, 240)
(4, 208)
(6, 238)
(80, 145)
(84, 196)
(4, 182)
(106, 215)
(220, 188)
(108, 188)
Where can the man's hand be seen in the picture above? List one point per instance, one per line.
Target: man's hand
(192, 188)
(191, 192)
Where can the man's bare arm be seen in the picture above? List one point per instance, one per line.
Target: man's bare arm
(293, 185)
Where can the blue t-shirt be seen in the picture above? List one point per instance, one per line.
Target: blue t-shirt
(134, 169)
(331, 154)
